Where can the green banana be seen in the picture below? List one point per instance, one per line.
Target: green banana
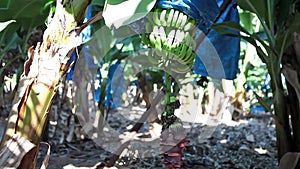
(170, 17)
(158, 43)
(190, 62)
(171, 37)
(179, 36)
(189, 40)
(175, 18)
(187, 56)
(163, 17)
(155, 30)
(152, 39)
(190, 25)
(182, 52)
(160, 51)
(162, 34)
(179, 20)
(183, 21)
(176, 51)
(145, 39)
(155, 16)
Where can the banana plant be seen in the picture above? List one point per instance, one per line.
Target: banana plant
(279, 21)
(252, 70)
(170, 33)
(46, 65)
(14, 39)
(173, 57)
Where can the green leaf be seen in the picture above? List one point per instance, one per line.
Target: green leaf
(173, 99)
(227, 26)
(4, 4)
(27, 14)
(262, 102)
(246, 20)
(77, 8)
(12, 42)
(3, 25)
(294, 23)
(284, 40)
(283, 10)
(259, 7)
(98, 2)
(18, 9)
(224, 28)
(101, 43)
(115, 15)
(264, 9)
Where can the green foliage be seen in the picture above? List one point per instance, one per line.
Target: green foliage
(135, 9)
(263, 101)
(270, 50)
(247, 20)
(264, 10)
(3, 25)
(279, 19)
(27, 13)
(74, 7)
(98, 2)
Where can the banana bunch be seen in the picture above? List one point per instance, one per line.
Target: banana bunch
(171, 33)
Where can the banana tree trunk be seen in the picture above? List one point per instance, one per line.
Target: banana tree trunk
(283, 130)
(293, 98)
(42, 72)
(295, 114)
(291, 71)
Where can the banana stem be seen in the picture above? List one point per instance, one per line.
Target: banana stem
(169, 110)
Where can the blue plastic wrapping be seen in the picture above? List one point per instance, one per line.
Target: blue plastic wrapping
(218, 55)
(114, 88)
(115, 85)
(85, 36)
(203, 11)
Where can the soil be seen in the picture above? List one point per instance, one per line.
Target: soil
(216, 142)
(247, 143)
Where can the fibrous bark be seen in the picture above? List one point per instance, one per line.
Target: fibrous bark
(46, 64)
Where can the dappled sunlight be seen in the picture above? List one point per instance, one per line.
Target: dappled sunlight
(119, 84)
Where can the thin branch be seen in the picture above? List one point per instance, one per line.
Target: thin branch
(94, 19)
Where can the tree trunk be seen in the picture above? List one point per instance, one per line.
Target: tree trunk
(291, 71)
(283, 130)
(293, 98)
(42, 72)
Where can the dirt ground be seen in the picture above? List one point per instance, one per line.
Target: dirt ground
(215, 142)
(243, 145)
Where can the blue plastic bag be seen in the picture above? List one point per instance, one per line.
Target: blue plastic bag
(204, 11)
(218, 55)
